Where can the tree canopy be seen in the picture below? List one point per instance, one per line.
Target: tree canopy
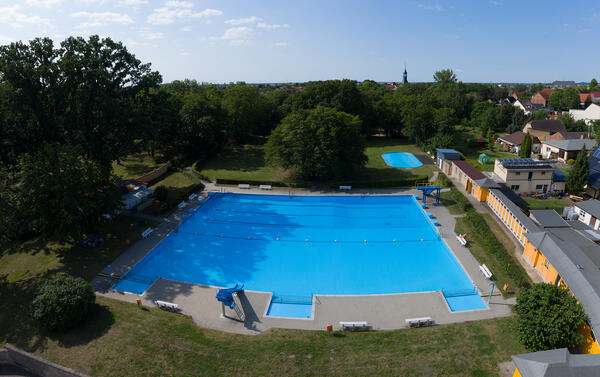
(548, 317)
(578, 175)
(320, 141)
(526, 145)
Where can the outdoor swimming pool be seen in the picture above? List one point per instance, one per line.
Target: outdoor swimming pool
(401, 160)
(299, 246)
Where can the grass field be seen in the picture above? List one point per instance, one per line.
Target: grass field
(123, 340)
(134, 165)
(248, 162)
(555, 204)
(474, 158)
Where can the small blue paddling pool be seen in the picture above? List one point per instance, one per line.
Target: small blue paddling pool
(401, 160)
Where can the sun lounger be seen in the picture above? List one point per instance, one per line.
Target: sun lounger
(265, 187)
(192, 197)
(244, 186)
(167, 306)
(485, 271)
(419, 322)
(147, 232)
(181, 205)
(462, 240)
(346, 188)
(354, 326)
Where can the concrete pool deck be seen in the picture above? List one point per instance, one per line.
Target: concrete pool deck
(382, 312)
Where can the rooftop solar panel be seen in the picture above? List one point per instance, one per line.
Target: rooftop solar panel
(596, 153)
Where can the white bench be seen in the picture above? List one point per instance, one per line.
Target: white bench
(167, 305)
(192, 197)
(353, 326)
(347, 188)
(244, 186)
(419, 322)
(147, 232)
(462, 240)
(181, 205)
(485, 271)
(265, 187)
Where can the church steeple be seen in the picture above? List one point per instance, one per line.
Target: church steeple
(405, 75)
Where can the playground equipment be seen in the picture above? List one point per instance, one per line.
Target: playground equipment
(427, 190)
(227, 296)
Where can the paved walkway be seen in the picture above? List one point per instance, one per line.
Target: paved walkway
(384, 312)
(481, 207)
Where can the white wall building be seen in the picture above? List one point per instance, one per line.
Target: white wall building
(590, 114)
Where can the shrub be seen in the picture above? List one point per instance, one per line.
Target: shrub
(548, 317)
(160, 194)
(444, 181)
(62, 302)
(570, 161)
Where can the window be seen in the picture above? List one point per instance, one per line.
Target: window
(518, 173)
(529, 176)
(514, 187)
(543, 173)
(547, 264)
(539, 187)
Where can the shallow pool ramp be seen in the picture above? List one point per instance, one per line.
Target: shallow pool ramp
(463, 299)
(290, 306)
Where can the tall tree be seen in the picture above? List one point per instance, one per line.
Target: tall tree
(593, 84)
(578, 175)
(62, 193)
(445, 76)
(541, 115)
(248, 112)
(525, 151)
(491, 138)
(320, 141)
(548, 317)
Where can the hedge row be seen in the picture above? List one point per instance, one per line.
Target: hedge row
(488, 240)
(223, 181)
(462, 202)
(407, 182)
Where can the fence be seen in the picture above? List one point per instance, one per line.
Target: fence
(154, 174)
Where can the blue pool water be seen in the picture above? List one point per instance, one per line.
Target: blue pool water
(401, 160)
(304, 245)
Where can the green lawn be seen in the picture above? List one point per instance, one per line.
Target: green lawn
(123, 340)
(555, 204)
(134, 166)
(473, 158)
(446, 198)
(248, 163)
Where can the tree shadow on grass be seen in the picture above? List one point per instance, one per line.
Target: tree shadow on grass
(94, 326)
(244, 159)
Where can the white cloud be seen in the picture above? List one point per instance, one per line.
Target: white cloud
(134, 2)
(494, 2)
(241, 21)
(13, 17)
(262, 25)
(240, 42)
(151, 35)
(95, 19)
(435, 8)
(185, 53)
(43, 3)
(241, 32)
(186, 28)
(4, 40)
(280, 44)
(174, 10)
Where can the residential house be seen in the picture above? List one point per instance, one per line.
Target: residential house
(513, 142)
(466, 174)
(583, 97)
(523, 104)
(570, 135)
(444, 158)
(564, 150)
(541, 97)
(588, 212)
(543, 129)
(593, 186)
(525, 175)
(595, 97)
(590, 114)
(564, 84)
(559, 181)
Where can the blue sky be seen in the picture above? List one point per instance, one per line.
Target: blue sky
(288, 41)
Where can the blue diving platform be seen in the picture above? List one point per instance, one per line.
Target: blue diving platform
(428, 190)
(226, 296)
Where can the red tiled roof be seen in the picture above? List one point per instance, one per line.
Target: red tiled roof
(470, 170)
(595, 94)
(583, 97)
(546, 92)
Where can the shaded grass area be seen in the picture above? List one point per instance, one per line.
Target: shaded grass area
(248, 162)
(473, 158)
(449, 201)
(134, 165)
(555, 204)
(180, 184)
(150, 342)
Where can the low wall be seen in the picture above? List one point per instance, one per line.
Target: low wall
(154, 174)
(34, 364)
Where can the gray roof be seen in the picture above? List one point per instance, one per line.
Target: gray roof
(516, 211)
(585, 230)
(447, 154)
(557, 363)
(572, 144)
(591, 206)
(576, 258)
(487, 183)
(548, 218)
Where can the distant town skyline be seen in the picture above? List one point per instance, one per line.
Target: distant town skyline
(269, 42)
